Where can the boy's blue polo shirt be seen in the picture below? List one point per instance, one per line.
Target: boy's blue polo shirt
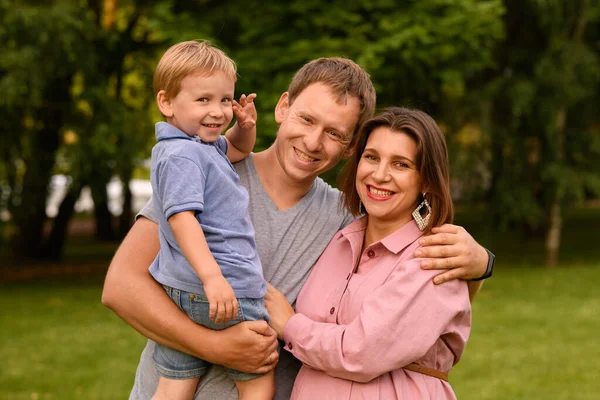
(189, 174)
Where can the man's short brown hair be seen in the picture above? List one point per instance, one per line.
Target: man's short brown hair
(186, 58)
(344, 77)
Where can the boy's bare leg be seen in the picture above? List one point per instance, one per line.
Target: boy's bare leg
(262, 388)
(175, 389)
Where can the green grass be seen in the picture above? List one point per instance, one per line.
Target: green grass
(57, 341)
(533, 338)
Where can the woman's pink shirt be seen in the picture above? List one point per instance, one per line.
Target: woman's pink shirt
(355, 331)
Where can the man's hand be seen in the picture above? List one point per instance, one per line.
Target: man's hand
(220, 295)
(251, 347)
(451, 247)
(245, 111)
(280, 310)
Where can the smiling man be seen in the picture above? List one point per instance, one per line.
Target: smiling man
(295, 214)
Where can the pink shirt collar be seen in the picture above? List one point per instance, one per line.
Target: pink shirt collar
(394, 242)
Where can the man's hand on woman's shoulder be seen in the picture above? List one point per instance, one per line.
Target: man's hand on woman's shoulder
(452, 248)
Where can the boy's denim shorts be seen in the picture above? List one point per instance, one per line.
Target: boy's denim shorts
(174, 364)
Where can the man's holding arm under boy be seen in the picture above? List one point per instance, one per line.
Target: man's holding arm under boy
(295, 214)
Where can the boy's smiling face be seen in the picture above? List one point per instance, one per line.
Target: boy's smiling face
(203, 106)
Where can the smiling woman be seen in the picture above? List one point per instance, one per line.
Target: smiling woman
(369, 322)
(387, 180)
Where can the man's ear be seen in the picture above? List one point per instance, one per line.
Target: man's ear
(164, 104)
(349, 151)
(351, 146)
(282, 107)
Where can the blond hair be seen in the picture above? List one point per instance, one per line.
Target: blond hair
(186, 58)
(344, 77)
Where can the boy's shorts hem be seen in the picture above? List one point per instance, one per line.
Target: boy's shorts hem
(242, 376)
(180, 375)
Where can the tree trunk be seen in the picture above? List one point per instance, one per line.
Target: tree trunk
(126, 218)
(553, 238)
(102, 215)
(30, 214)
(54, 246)
(555, 219)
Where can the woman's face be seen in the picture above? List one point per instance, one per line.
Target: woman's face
(387, 179)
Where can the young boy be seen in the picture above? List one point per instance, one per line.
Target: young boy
(208, 262)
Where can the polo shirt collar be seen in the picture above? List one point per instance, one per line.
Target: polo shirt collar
(164, 131)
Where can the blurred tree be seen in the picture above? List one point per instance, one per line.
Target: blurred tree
(102, 54)
(420, 53)
(42, 46)
(76, 83)
(544, 147)
(66, 71)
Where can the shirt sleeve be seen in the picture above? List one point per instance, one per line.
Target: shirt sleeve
(398, 324)
(221, 144)
(180, 185)
(148, 212)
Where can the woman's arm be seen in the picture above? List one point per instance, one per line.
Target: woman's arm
(132, 293)
(397, 324)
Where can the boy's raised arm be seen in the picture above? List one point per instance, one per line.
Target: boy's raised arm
(132, 293)
(242, 136)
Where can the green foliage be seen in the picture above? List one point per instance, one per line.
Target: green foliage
(497, 75)
(544, 141)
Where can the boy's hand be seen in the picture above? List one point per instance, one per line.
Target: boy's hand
(223, 304)
(245, 112)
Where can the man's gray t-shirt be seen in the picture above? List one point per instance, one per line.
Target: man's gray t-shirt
(289, 242)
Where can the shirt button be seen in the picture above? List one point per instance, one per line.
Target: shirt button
(332, 310)
(290, 346)
(371, 253)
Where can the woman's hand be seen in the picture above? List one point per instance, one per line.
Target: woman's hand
(280, 310)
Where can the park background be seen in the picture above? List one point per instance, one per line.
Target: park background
(514, 84)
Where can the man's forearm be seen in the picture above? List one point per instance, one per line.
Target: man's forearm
(474, 287)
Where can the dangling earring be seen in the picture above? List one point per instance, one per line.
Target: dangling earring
(422, 222)
(360, 207)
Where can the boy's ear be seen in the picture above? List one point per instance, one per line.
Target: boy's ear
(164, 104)
(281, 108)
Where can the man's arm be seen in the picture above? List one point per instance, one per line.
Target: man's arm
(132, 293)
(452, 248)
